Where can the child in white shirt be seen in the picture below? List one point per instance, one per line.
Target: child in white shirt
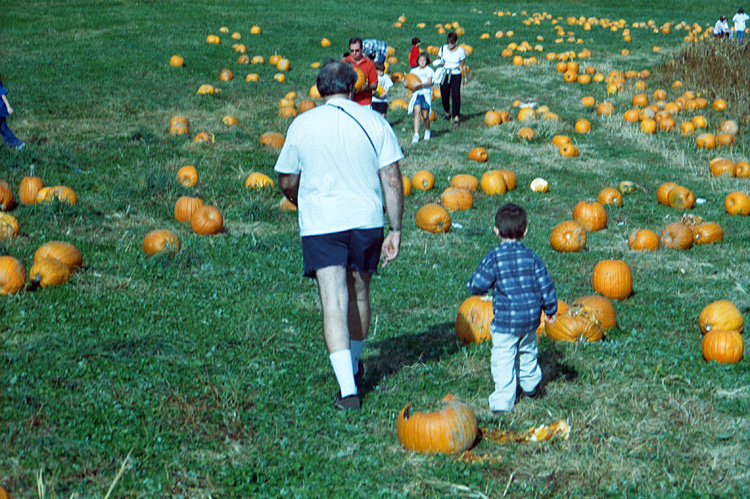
(380, 99)
(739, 20)
(421, 96)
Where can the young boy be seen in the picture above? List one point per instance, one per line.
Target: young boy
(380, 102)
(522, 289)
(5, 111)
(414, 52)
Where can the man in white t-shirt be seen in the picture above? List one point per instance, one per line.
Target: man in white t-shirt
(739, 20)
(337, 164)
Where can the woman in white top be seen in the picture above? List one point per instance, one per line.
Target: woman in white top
(739, 20)
(452, 58)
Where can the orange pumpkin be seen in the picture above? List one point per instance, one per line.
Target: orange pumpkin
(187, 176)
(451, 430)
(707, 233)
(58, 193)
(643, 240)
(676, 236)
(185, 207)
(48, 272)
(599, 309)
(7, 201)
(510, 179)
(725, 347)
(273, 139)
(474, 318)
(12, 275)
(568, 236)
(206, 221)
(737, 203)
(257, 180)
(30, 187)
(433, 218)
(610, 195)
(662, 193)
(721, 315)
(67, 253)
(681, 198)
(8, 226)
(160, 241)
(574, 326)
(478, 154)
(592, 215)
(455, 199)
(582, 126)
(613, 279)
(423, 180)
(720, 167)
(465, 181)
(493, 182)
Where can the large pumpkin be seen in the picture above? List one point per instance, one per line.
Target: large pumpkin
(160, 241)
(450, 430)
(48, 272)
(474, 318)
(613, 279)
(493, 182)
(725, 347)
(681, 198)
(592, 215)
(568, 236)
(574, 326)
(185, 207)
(67, 253)
(676, 236)
(433, 218)
(60, 193)
(510, 179)
(12, 275)
(662, 193)
(562, 308)
(455, 199)
(206, 221)
(721, 314)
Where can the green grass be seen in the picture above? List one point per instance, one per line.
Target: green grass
(208, 367)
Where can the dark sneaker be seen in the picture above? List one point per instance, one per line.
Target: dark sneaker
(350, 403)
(358, 378)
(536, 392)
(499, 413)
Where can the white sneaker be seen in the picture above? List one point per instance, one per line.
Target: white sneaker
(426, 135)
(415, 139)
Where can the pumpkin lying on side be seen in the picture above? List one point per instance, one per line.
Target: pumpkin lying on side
(474, 318)
(12, 275)
(160, 241)
(578, 324)
(48, 272)
(450, 430)
(433, 218)
(67, 253)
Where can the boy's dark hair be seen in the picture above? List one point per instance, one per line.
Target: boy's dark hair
(452, 37)
(415, 40)
(424, 54)
(379, 65)
(510, 221)
(335, 77)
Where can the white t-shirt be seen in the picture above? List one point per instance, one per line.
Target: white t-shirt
(384, 81)
(739, 21)
(452, 59)
(721, 27)
(338, 167)
(424, 76)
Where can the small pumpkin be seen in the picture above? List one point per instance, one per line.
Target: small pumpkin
(185, 207)
(721, 314)
(455, 199)
(560, 140)
(48, 272)
(568, 236)
(451, 430)
(539, 185)
(30, 187)
(737, 203)
(230, 120)
(742, 169)
(257, 180)
(478, 154)
(433, 218)
(592, 215)
(187, 176)
(706, 141)
(582, 126)
(60, 193)
(609, 195)
(626, 187)
(643, 240)
(226, 75)
(306, 105)
(160, 241)
(273, 139)
(67, 253)
(12, 275)
(707, 233)
(423, 180)
(493, 182)
(526, 133)
(613, 279)
(569, 151)
(725, 347)
(648, 126)
(676, 236)
(206, 221)
(176, 61)
(8, 226)
(406, 181)
(474, 318)
(465, 181)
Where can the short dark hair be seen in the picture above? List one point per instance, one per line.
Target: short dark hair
(335, 77)
(355, 39)
(452, 37)
(424, 54)
(510, 221)
(415, 40)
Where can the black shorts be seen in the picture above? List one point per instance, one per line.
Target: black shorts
(357, 249)
(380, 107)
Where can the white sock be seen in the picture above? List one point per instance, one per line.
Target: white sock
(341, 362)
(356, 348)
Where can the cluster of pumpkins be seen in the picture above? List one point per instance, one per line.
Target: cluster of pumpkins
(54, 262)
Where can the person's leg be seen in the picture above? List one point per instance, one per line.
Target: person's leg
(445, 95)
(8, 136)
(740, 36)
(503, 367)
(456, 96)
(417, 117)
(426, 118)
(358, 315)
(529, 372)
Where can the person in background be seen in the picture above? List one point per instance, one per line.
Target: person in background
(452, 57)
(357, 59)
(421, 96)
(6, 110)
(521, 289)
(375, 50)
(338, 164)
(380, 101)
(739, 20)
(721, 28)
(414, 52)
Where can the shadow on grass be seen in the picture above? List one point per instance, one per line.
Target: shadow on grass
(407, 350)
(554, 368)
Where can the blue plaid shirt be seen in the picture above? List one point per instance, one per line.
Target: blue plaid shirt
(521, 286)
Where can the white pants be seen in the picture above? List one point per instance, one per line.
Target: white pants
(513, 360)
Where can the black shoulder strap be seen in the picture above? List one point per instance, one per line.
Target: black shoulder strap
(358, 123)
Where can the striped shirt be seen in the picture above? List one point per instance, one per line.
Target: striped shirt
(521, 287)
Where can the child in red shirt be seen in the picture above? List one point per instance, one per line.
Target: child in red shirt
(414, 53)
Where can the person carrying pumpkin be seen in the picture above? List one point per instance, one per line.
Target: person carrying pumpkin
(357, 59)
(421, 96)
(6, 110)
(338, 162)
(521, 289)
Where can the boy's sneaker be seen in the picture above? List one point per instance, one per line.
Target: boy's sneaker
(536, 392)
(427, 135)
(350, 403)
(20, 146)
(415, 139)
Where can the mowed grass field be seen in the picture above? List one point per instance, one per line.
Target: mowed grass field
(204, 374)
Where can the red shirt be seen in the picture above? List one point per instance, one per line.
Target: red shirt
(364, 96)
(413, 55)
